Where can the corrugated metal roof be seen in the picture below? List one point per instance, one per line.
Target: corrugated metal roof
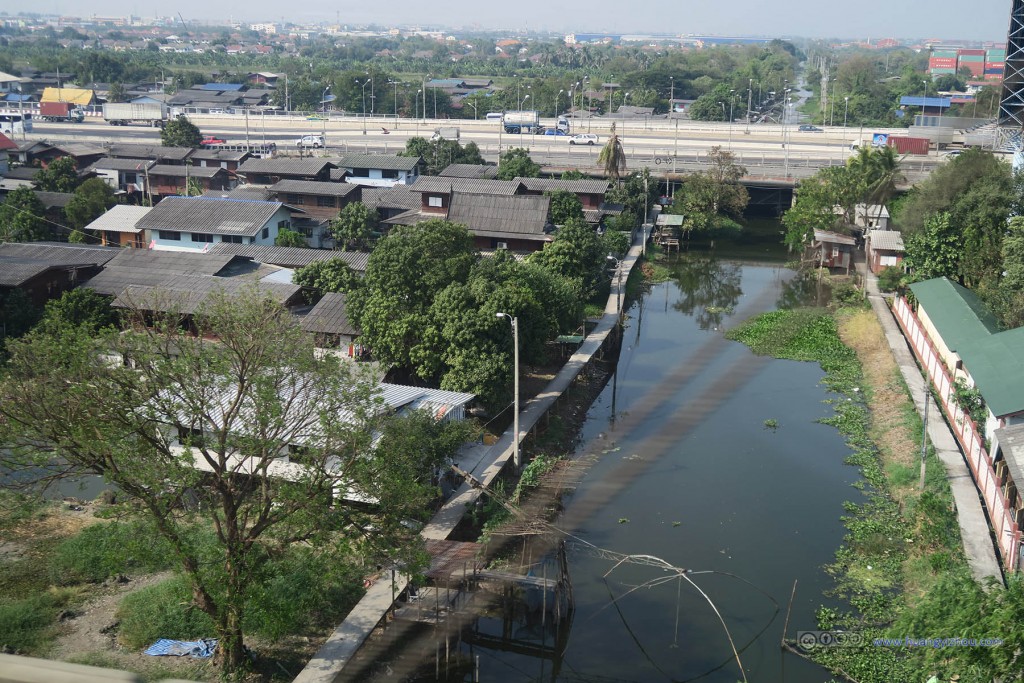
(833, 238)
(20, 262)
(219, 155)
(210, 215)
(889, 240)
(1011, 440)
(171, 171)
(996, 364)
(291, 257)
(316, 187)
(329, 317)
(473, 185)
(580, 186)
(186, 294)
(958, 315)
(256, 192)
(150, 267)
(136, 151)
(388, 162)
(119, 218)
(397, 197)
(523, 217)
(304, 167)
(121, 164)
(486, 172)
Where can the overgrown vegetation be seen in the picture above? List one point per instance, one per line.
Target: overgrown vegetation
(900, 568)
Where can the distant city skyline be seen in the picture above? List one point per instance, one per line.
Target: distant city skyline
(868, 19)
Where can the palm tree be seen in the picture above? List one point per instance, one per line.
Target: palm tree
(878, 171)
(612, 157)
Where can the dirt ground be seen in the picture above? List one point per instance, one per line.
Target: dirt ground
(888, 398)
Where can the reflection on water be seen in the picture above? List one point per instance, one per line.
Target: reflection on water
(805, 289)
(709, 288)
(684, 469)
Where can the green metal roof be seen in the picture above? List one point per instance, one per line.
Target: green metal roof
(958, 315)
(995, 360)
(996, 363)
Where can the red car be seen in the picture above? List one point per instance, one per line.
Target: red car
(210, 140)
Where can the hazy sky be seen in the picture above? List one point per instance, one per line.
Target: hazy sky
(948, 19)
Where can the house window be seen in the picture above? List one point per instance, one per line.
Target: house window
(169, 235)
(197, 237)
(887, 260)
(325, 201)
(189, 436)
(252, 240)
(293, 199)
(265, 233)
(495, 244)
(386, 173)
(361, 172)
(300, 454)
(233, 239)
(284, 225)
(434, 201)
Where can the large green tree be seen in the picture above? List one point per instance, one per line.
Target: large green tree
(91, 200)
(290, 238)
(331, 275)
(264, 431)
(79, 307)
(935, 251)
(180, 132)
(355, 226)
(59, 176)
(405, 272)
(439, 154)
(578, 254)
(565, 206)
(516, 163)
(708, 197)
(21, 217)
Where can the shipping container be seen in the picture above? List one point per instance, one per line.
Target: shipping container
(995, 53)
(942, 63)
(944, 53)
(909, 145)
(972, 58)
(943, 72)
(966, 53)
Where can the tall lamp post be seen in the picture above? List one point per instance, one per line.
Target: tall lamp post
(323, 102)
(832, 103)
(516, 457)
(671, 91)
(556, 102)
(365, 83)
(732, 102)
(396, 84)
(416, 106)
(525, 97)
(750, 96)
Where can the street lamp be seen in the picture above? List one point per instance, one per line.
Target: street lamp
(556, 102)
(416, 107)
(365, 83)
(750, 96)
(516, 457)
(732, 101)
(832, 103)
(846, 110)
(323, 99)
(396, 84)
(671, 92)
(476, 114)
(525, 97)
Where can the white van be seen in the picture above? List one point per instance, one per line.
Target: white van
(310, 141)
(494, 116)
(583, 139)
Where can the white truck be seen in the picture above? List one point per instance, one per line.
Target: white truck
(125, 113)
(529, 122)
(445, 133)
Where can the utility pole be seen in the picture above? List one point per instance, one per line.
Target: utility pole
(924, 432)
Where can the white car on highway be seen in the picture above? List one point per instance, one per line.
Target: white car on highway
(583, 139)
(310, 141)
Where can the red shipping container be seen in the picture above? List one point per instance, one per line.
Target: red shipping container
(971, 52)
(908, 145)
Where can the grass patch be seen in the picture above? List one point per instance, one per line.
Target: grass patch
(161, 611)
(104, 550)
(182, 669)
(28, 625)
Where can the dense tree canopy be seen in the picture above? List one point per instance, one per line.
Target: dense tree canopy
(60, 176)
(21, 217)
(290, 238)
(355, 226)
(564, 207)
(439, 154)
(331, 275)
(125, 423)
(91, 200)
(180, 132)
(516, 163)
(706, 198)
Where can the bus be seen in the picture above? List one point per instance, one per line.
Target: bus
(15, 122)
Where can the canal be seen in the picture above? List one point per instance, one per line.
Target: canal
(711, 459)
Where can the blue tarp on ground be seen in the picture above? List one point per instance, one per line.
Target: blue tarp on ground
(180, 648)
